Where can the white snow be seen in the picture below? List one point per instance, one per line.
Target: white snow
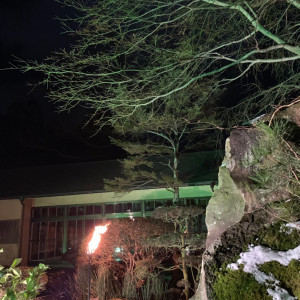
(289, 227)
(253, 121)
(295, 225)
(280, 294)
(257, 255)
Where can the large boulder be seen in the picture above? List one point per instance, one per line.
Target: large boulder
(225, 208)
(237, 211)
(227, 205)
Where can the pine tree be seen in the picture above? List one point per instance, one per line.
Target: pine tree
(156, 137)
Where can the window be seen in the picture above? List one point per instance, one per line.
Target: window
(128, 207)
(9, 231)
(149, 206)
(72, 211)
(89, 209)
(109, 209)
(46, 240)
(136, 207)
(159, 203)
(97, 209)
(121, 208)
(59, 231)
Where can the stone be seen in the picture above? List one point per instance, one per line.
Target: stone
(225, 208)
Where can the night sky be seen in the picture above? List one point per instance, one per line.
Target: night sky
(32, 132)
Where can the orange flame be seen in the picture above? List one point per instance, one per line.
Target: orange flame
(94, 242)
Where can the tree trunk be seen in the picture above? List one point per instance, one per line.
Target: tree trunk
(184, 268)
(175, 175)
(176, 196)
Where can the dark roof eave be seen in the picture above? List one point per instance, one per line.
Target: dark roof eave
(22, 196)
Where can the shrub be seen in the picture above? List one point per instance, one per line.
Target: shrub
(154, 288)
(123, 260)
(15, 285)
(105, 285)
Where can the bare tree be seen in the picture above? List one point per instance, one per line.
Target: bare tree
(123, 252)
(183, 238)
(131, 54)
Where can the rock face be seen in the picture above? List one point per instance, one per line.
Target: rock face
(227, 205)
(225, 208)
(227, 246)
(239, 152)
(292, 113)
(235, 212)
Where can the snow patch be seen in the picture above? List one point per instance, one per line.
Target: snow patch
(258, 255)
(295, 225)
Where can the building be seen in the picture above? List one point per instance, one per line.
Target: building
(45, 212)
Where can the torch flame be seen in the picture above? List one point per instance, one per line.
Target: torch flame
(94, 242)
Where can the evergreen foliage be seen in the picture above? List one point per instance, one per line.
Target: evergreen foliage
(18, 286)
(155, 138)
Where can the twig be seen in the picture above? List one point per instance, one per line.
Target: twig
(283, 106)
(295, 175)
(291, 149)
(275, 216)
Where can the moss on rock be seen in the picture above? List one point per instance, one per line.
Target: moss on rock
(287, 210)
(289, 276)
(237, 285)
(278, 237)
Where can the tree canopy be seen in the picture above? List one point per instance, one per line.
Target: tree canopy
(131, 54)
(155, 137)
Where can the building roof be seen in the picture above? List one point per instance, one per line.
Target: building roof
(195, 169)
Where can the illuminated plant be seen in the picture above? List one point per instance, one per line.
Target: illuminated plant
(123, 257)
(15, 285)
(132, 54)
(156, 138)
(183, 240)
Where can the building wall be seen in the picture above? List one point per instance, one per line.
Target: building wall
(10, 219)
(18, 240)
(147, 194)
(60, 223)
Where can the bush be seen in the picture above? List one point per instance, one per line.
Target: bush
(154, 288)
(17, 286)
(123, 261)
(105, 285)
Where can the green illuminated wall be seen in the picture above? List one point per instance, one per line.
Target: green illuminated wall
(147, 194)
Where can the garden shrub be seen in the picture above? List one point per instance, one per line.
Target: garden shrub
(15, 285)
(129, 287)
(105, 285)
(155, 289)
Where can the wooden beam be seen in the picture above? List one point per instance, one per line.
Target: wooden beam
(25, 230)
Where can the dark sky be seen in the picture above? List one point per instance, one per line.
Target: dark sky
(31, 131)
(27, 30)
